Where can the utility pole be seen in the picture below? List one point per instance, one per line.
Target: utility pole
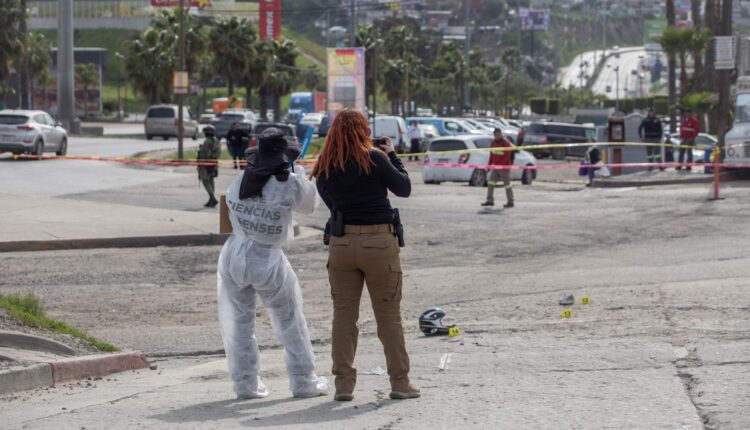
(467, 45)
(65, 78)
(724, 76)
(518, 18)
(353, 23)
(24, 69)
(181, 97)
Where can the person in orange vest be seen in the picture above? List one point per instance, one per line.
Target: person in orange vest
(500, 157)
(689, 129)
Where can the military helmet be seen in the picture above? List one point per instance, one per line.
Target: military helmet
(431, 322)
(209, 130)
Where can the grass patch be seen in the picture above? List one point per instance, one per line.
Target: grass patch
(311, 48)
(29, 310)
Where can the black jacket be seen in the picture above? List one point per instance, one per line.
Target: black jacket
(363, 199)
(650, 128)
(238, 138)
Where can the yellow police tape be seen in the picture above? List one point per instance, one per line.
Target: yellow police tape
(311, 159)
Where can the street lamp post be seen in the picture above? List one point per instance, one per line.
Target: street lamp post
(617, 86)
(119, 85)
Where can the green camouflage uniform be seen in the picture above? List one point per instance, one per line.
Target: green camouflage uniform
(209, 151)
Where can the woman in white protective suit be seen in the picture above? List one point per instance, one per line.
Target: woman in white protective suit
(252, 263)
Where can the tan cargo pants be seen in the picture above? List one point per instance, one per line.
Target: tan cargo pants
(366, 254)
(495, 176)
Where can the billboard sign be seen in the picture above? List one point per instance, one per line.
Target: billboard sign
(653, 28)
(724, 51)
(534, 19)
(346, 79)
(270, 19)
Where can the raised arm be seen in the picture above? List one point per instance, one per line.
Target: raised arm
(391, 172)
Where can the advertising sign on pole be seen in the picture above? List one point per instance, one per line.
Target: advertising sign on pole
(346, 79)
(180, 82)
(534, 19)
(724, 53)
(270, 19)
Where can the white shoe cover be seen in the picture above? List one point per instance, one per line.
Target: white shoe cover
(320, 387)
(261, 391)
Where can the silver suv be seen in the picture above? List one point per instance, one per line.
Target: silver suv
(31, 131)
(161, 120)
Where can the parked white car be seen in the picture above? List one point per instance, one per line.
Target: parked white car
(31, 131)
(313, 120)
(475, 177)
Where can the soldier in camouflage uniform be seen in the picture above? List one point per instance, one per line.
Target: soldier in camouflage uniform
(209, 151)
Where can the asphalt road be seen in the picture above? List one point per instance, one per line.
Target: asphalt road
(630, 59)
(52, 177)
(663, 343)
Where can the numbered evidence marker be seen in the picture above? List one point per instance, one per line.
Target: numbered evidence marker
(566, 313)
(585, 300)
(454, 331)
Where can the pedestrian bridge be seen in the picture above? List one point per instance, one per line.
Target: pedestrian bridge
(124, 14)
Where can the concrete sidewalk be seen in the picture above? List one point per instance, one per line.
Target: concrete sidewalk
(43, 220)
(489, 382)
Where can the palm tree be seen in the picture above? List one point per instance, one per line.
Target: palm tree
(282, 75)
(196, 36)
(369, 38)
(11, 39)
(149, 65)
(86, 75)
(39, 61)
(449, 68)
(233, 43)
(314, 79)
(696, 46)
(511, 58)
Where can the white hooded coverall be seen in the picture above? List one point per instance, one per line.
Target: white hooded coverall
(252, 262)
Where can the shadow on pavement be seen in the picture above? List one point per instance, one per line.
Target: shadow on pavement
(233, 409)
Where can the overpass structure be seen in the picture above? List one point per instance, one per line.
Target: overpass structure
(124, 14)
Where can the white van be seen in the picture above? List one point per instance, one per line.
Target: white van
(161, 120)
(394, 127)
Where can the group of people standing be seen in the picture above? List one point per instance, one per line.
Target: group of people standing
(651, 132)
(353, 178)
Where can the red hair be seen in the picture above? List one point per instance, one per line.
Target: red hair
(348, 139)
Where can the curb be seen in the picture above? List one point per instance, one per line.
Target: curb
(69, 369)
(707, 179)
(116, 242)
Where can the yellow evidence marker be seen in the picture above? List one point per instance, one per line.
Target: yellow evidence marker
(566, 313)
(454, 331)
(585, 300)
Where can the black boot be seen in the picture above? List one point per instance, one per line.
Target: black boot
(213, 202)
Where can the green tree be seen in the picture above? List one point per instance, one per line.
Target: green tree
(11, 39)
(282, 74)
(86, 75)
(149, 65)
(449, 69)
(233, 42)
(511, 59)
(196, 36)
(313, 79)
(368, 37)
(39, 62)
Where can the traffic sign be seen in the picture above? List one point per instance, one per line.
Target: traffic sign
(724, 53)
(180, 82)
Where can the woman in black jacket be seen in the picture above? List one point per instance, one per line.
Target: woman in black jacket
(354, 178)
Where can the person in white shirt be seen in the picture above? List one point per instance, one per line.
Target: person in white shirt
(415, 135)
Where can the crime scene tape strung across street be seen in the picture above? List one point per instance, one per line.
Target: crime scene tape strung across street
(312, 160)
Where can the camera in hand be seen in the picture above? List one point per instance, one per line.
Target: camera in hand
(380, 142)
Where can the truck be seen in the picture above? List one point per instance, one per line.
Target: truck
(303, 103)
(737, 139)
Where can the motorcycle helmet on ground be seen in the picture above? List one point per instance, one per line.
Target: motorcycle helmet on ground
(209, 130)
(431, 322)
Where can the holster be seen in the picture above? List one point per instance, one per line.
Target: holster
(334, 226)
(398, 228)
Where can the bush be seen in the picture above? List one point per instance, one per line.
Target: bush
(538, 105)
(554, 107)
